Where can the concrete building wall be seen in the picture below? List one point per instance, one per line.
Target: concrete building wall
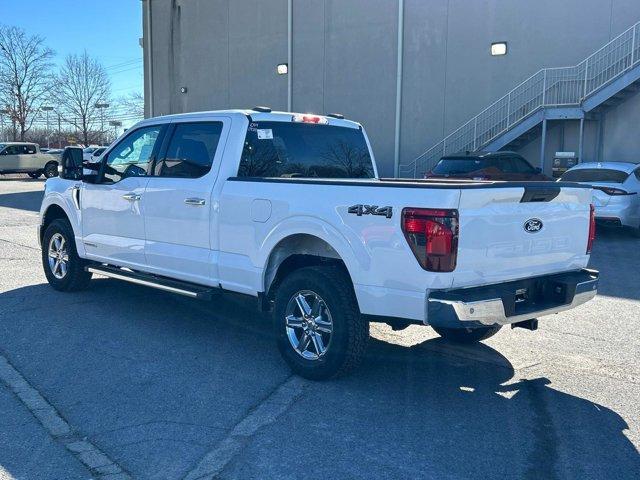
(345, 57)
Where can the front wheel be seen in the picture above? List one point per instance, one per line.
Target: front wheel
(63, 267)
(467, 335)
(51, 170)
(318, 326)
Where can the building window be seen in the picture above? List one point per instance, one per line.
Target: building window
(498, 48)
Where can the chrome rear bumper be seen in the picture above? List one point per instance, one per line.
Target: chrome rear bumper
(511, 302)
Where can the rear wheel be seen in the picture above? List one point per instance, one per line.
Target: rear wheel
(63, 267)
(319, 330)
(34, 174)
(467, 335)
(51, 170)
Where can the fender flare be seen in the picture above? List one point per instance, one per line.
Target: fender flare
(59, 200)
(350, 248)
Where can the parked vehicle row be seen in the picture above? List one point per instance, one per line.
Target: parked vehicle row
(616, 185)
(21, 157)
(289, 208)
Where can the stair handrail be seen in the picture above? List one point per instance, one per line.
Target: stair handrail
(583, 93)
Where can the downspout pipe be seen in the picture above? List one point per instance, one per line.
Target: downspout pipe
(396, 153)
(149, 54)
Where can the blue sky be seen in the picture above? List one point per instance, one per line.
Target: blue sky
(108, 29)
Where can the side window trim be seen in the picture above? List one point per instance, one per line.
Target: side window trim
(168, 137)
(154, 152)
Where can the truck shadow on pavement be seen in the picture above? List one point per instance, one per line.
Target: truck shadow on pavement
(30, 200)
(157, 381)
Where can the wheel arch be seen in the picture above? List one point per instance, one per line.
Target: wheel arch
(294, 250)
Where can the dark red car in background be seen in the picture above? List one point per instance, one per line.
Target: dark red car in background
(486, 166)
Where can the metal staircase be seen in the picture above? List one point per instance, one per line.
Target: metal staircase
(602, 80)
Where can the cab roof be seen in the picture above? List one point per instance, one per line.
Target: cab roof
(246, 113)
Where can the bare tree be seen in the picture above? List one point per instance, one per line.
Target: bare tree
(25, 77)
(83, 85)
(133, 104)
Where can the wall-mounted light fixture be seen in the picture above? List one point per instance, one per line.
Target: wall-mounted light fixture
(498, 48)
(183, 89)
(282, 68)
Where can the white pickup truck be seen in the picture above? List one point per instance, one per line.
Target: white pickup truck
(289, 208)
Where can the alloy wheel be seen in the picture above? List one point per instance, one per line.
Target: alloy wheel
(309, 324)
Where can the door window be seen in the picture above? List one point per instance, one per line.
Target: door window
(12, 150)
(132, 156)
(191, 150)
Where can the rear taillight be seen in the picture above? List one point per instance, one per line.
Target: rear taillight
(614, 191)
(592, 228)
(432, 235)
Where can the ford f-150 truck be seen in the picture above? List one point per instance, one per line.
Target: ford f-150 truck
(289, 208)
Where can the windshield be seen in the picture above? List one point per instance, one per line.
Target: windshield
(604, 175)
(299, 150)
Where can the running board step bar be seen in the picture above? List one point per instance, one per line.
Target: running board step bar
(148, 280)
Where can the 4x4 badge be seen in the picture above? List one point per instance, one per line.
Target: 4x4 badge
(371, 210)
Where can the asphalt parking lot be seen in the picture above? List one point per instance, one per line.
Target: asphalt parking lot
(123, 381)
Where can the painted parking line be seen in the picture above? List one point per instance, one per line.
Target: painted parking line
(86, 452)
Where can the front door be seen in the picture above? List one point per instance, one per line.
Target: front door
(178, 204)
(10, 158)
(113, 207)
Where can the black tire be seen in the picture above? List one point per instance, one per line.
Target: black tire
(51, 170)
(75, 277)
(467, 335)
(34, 175)
(350, 332)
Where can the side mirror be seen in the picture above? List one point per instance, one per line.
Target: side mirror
(71, 163)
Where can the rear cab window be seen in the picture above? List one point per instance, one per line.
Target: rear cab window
(605, 175)
(303, 150)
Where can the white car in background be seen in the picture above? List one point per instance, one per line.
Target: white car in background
(616, 194)
(95, 155)
(92, 154)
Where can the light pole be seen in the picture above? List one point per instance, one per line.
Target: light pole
(115, 124)
(102, 106)
(47, 109)
(2, 114)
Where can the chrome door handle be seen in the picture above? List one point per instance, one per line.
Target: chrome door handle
(132, 197)
(198, 202)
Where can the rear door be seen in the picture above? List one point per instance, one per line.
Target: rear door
(516, 232)
(178, 203)
(29, 158)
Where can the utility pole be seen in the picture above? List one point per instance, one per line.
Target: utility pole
(115, 124)
(2, 114)
(101, 107)
(59, 131)
(47, 109)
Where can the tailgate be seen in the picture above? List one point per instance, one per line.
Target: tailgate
(511, 233)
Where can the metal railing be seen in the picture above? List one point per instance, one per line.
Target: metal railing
(549, 87)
